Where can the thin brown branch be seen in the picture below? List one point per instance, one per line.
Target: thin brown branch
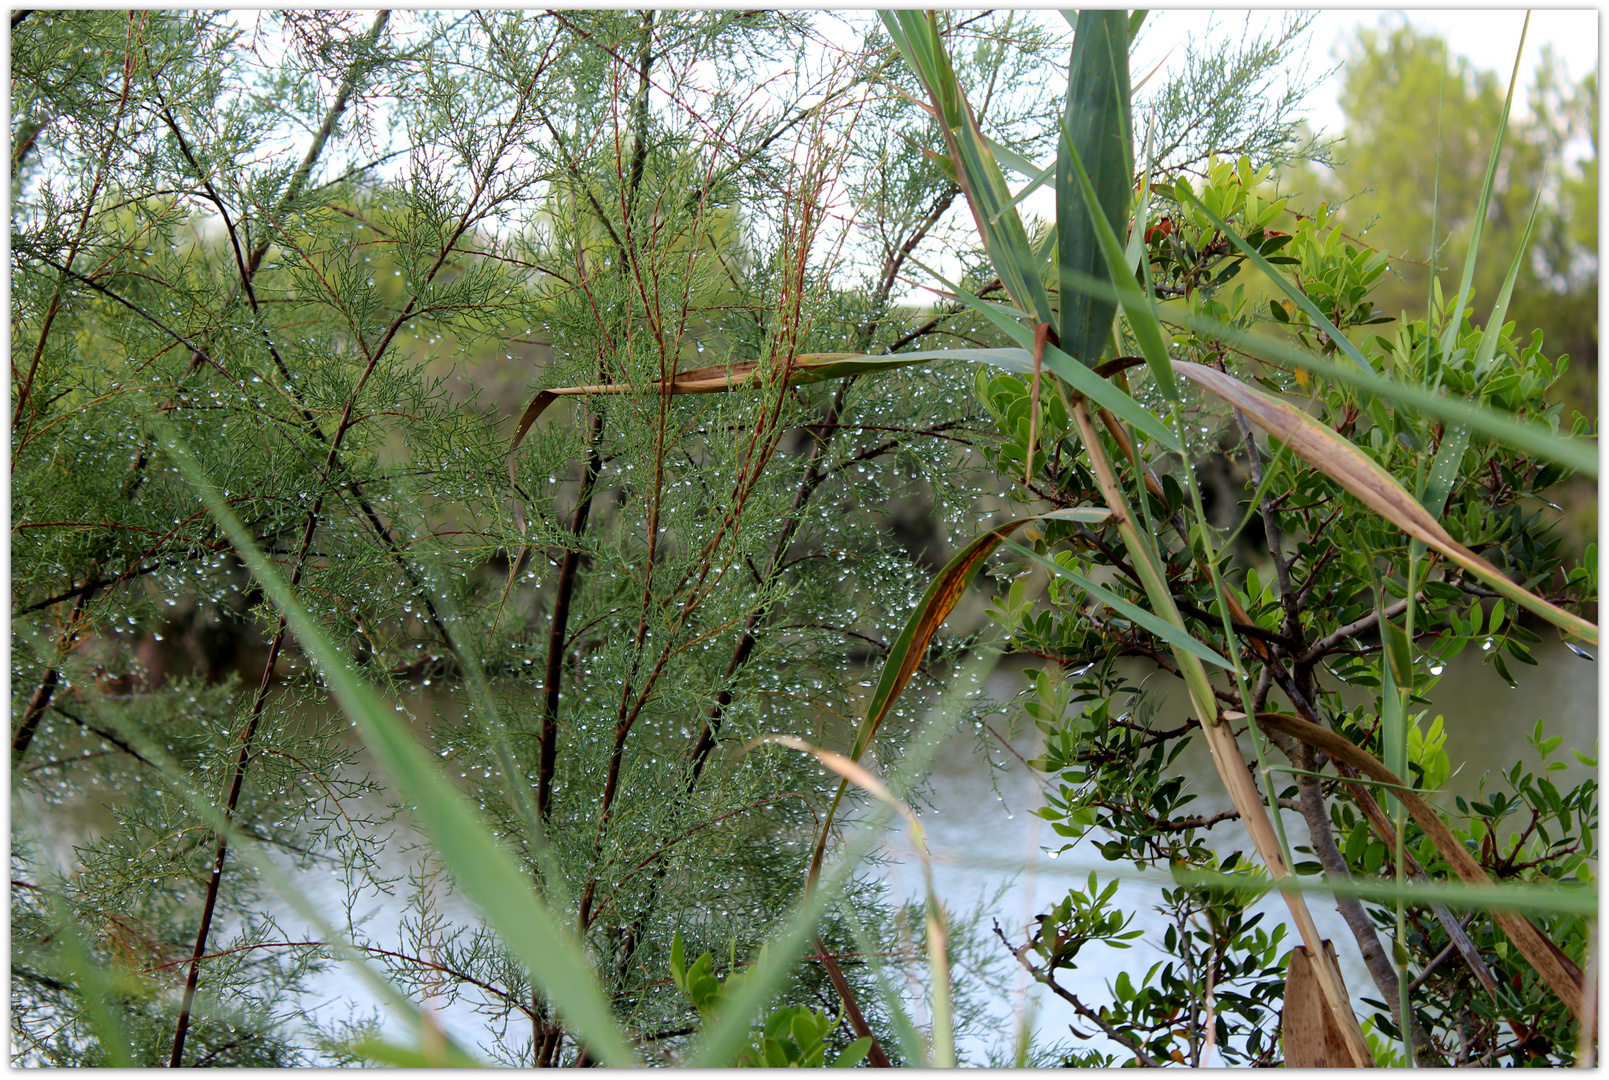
(1046, 979)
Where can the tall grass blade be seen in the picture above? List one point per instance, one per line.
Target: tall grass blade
(485, 872)
(1070, 371)
(1541, 953)
(905, 655)
(1580, 455)
(97, 988)
(1173, 635)
(917, 36)
(1095, 134)
(1396, 683)
(750, 374)
(1037, 177)
(1355, 471)
(1532, 899)
(899, 1018)
(1455, 439)
(937, 937)
(1136, 305)
(940, 599)
(726, 1032)
(1226, 755)
(1483, 204)
(134, 731)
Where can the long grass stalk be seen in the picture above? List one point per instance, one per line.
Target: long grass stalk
(1221, 742)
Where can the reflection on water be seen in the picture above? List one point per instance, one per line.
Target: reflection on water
(986, 838)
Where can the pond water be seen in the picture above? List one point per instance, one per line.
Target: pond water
(987, 844)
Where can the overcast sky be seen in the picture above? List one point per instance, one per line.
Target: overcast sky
(1488, 36)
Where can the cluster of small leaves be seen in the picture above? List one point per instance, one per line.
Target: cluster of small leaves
(791, 1037)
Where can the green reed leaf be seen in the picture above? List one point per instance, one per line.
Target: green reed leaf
(1174, 635)
(1095, 134)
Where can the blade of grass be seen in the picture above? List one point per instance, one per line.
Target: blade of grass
(728, 1030)
(943, 1056)
(1070, 371)
(1095, 129)
(484, 871)
(1535, 899)
(917, 36)
(1580, 455)
(1137, 306)
(1037, 177)
(1358, 474)
(1173, 635)
(1478, 222)
(1521, 898)
(1134, 259)
(1455, 439)
(404, 1057)
(910, 1040)
(905, 655)
(96, 987)
(946, 589)
(1226, 755)
(745, 374)
(1525, 937)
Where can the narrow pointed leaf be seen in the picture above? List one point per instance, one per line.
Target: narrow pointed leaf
(1531, 942)
(1482, 206)
(1139, 308)
(946, 590)
(1396, 682)
(1011, 159)
(1037, 177)
(483, 869)
(726, 1032)
(1547, 899)
(1076, 375)
(748, 374)
(1455, 439)
(1173, 635)
(1579, 454)
(916, 35)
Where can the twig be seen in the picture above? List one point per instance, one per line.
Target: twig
(1079, 1007)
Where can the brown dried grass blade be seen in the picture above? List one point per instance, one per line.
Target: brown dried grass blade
(1556, 969)
(1336, 457)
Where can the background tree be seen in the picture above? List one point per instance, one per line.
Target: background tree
(1418, 125)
